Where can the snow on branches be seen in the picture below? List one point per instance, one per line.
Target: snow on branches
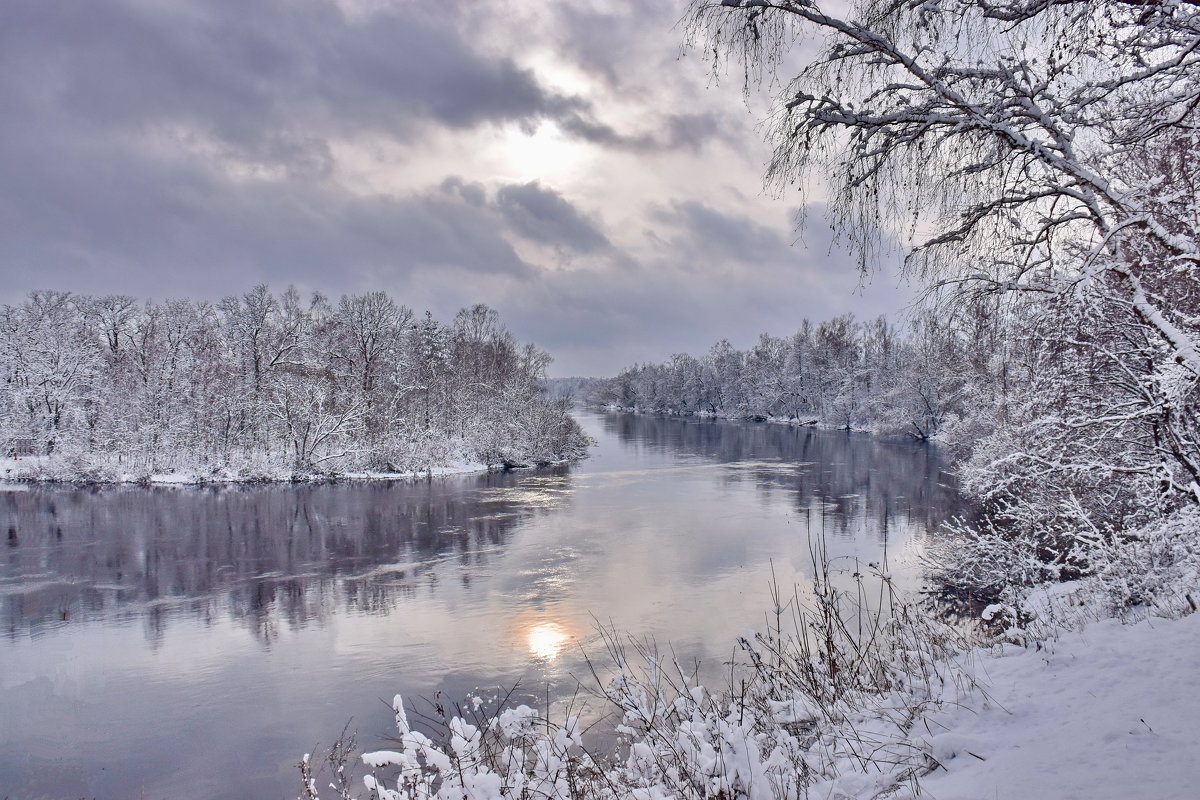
(266, 386)
(1041, 152)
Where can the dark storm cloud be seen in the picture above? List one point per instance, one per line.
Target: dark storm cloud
(543, 215)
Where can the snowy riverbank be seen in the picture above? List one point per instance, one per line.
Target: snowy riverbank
(39, 469)
(1104, 713)
(803, 421)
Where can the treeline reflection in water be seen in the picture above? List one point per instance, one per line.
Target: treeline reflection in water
(843, 475)
(260, 554)
(294, 555)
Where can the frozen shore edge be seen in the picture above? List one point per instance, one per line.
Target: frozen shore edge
(793, 422)
(32, 470)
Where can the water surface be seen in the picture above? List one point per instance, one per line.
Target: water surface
(194, 642)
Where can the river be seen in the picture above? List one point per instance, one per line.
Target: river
(195, 642)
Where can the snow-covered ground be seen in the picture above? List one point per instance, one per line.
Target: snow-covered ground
(39, 468)
(1108, 713)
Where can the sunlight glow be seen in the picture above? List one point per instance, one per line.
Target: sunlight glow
(547, 640)
(547, 154)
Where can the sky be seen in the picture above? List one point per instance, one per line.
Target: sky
(564, 163)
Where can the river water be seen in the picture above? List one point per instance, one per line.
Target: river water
(195, 642)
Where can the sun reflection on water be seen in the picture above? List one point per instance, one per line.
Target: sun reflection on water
(547, 639)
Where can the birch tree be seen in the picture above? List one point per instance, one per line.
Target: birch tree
(1042, 150)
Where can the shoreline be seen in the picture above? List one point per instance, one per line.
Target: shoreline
(760, 419)
(11, 475)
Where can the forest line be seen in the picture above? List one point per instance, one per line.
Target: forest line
(841, 373)
(260, 386)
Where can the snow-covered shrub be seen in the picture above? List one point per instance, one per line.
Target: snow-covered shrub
(1157, 565)
(535, 430)
(511, 754)
(69, 464)
(825, 709)
(1152, 568)
(985, 560)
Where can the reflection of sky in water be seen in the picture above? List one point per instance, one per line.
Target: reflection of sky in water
(241, 626)
(532, 492)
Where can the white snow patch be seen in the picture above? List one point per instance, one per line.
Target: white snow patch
(42, 469)
(458, 468)
(991, 611)
(1109, 714)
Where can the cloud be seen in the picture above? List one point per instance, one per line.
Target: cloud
(715, 275)
(707, 232)
(625, 41)
(269, 81)
(543, 215)
(272, 82)
(182, 232)
(690, 131)
(199, 147)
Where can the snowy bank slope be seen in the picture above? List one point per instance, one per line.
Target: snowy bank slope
(1111, 713)
(50, 469)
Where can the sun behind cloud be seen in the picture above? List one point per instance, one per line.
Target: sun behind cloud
(546, 154)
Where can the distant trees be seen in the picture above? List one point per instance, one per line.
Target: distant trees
(269, 384)
(1041, 160)
(842, 372)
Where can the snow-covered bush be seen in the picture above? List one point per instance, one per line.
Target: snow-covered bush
(1156, 566)
(1153, 567)
(513, 754)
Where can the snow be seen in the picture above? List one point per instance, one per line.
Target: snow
(46, 468)
(383, 758)
(991, 611)
(1108, 713)
(457, 468)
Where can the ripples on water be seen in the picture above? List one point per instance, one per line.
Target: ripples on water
(194, 642)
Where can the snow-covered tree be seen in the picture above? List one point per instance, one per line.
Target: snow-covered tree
(266, 385)
(1045, 151)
